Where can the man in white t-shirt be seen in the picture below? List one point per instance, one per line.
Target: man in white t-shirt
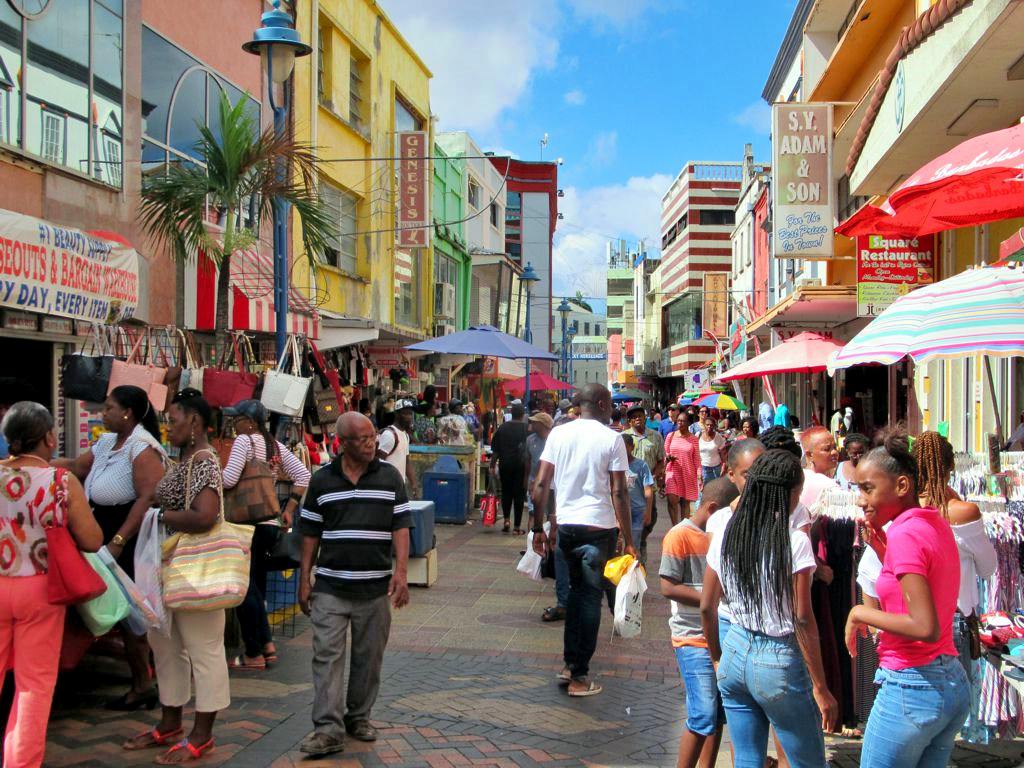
(587, 463)
(393, 443)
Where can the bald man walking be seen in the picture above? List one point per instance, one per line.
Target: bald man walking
(356, 510)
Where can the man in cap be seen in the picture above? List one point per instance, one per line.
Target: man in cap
(668, 424)
(562, 415)
(452, 429)
(393, 442)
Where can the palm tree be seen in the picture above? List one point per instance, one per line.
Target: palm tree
(239, 172)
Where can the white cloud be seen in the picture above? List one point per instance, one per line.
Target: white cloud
(602, 149)
(617, 13)
(757, 115)
(575, 98)
(593, 217)
(482, 55)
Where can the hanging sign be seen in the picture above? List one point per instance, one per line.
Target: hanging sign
(716, 303)
(802, 196)
(413, 178)
(890, 267)
(54, 270)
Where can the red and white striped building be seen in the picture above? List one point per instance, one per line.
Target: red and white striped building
(697, 216)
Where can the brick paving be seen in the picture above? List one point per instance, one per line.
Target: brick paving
(469, 679)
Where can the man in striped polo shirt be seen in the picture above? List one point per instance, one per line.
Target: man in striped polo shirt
(356, 510)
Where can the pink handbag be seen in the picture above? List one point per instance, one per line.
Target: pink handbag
(138, 372)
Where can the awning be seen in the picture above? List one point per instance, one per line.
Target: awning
(342, 331)
(56, 270)
(251, 302)
(811, 307)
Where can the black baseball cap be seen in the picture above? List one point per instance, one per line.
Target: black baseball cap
(250, 409)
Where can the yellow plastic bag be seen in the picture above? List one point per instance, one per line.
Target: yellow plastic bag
(617, 567)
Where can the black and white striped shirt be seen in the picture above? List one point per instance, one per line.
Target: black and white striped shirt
(355, 524)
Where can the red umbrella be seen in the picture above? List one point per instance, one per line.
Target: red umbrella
(538, 381)
(978, 181)
(805, 353)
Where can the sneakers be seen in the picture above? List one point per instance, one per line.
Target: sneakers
(362, 731)
(317, 744)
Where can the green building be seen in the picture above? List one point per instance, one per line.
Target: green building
(452, 263)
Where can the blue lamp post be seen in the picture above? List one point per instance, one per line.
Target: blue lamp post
(529, 277)
(564, 309)
(277, 43)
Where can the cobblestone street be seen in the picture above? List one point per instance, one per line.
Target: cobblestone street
(469, 679)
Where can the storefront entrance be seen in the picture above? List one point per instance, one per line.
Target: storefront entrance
(29, 368)
(868, 387)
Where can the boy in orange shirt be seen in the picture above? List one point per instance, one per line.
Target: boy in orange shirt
(683, 554)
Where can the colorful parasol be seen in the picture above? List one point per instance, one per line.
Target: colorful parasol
(721, 402)
(806, 352)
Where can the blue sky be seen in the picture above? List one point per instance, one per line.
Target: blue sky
(627, 91)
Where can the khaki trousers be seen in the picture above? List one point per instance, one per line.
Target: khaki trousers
(194, 651)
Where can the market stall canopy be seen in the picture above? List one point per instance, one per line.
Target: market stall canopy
(721, 402)
(629, 396)
(539, 381)
(804, 353)
(978, 312)
(979, 181)
(484, 341)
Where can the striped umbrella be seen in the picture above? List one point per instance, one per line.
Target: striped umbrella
(978, 312)
(721, 402)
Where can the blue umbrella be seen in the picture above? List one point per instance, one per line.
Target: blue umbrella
(484, 340)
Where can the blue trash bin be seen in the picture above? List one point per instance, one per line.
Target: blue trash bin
(447, 485)
(421, 537)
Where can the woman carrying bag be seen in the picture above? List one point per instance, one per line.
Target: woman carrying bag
(31, 628)
(120, 473)
(189, 498)
(254, 443)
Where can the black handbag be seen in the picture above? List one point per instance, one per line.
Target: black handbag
(86, 375)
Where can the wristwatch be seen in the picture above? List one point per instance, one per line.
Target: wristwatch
(118, 540)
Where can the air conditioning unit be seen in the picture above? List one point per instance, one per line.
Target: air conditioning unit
(443, 329)
(444, 300)
(808, 282)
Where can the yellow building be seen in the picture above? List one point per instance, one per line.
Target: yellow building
(361, 85)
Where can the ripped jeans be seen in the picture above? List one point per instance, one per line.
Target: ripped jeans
(586, 550)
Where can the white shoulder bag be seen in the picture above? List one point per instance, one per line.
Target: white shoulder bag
(283, 392)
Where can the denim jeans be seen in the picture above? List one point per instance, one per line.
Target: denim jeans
(711, 473)
(916, 715)
(763, 680)
(704, 713)
(586, 551)
(561, 579)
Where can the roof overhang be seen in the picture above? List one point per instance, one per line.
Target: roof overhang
(811, 307)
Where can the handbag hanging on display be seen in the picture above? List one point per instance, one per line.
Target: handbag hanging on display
(85, 375)
(192, 367)
(285, 393)
(206, 571)
(138, 371)
(223, 387)
(69, 577)
(254, 497)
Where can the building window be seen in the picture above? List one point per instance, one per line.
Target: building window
(474, 195)
(112, 152)
(597, 329)
(682, 320)
(717, 218)
(52, 142)
(586, 329)
(74, 46)
(358, 76)
(343, 207)
(445, 269)
(407, 287)
(494, 215)
(323, 63)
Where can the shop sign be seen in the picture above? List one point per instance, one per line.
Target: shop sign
(59, 325)
(413, 179)
(386, 357)
(890, 267)
(20, 321)
(695, 379)
(803, 199)
(716, 303)
(55, 270)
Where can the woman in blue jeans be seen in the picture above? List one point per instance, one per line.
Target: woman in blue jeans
(924, 695)
(770, 670)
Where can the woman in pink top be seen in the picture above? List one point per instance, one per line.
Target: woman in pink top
(924, 697)
(682, 468)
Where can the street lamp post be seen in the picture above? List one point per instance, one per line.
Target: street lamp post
(528, 277)
(564, 309)
(570, 336)
(277, 43)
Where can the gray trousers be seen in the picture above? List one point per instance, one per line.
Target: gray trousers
(370, 624)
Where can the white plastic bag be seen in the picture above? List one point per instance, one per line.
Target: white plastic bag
(629, 602)
(148, 567)
(531, 562)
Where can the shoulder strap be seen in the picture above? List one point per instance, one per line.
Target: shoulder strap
(397, 439)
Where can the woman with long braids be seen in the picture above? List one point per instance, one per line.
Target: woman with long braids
(924, 696)
(120, 473)
(934, 456)
(770, 670)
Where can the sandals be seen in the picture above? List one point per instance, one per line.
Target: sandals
(156, 739)
(195, 753)
(519, 532)
(591, 690)
(505, 527)
(553, 613)
(564, 677)
(270, 657)
(851, 733)
(240, 664)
